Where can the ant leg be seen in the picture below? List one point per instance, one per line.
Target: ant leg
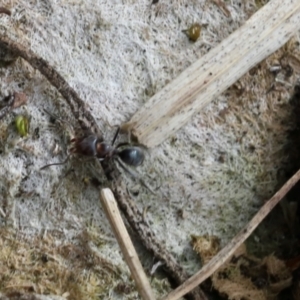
(116, 135)
(53, 116)
(61, 122)
(159, 179)
(107, 169)
(136, 176)
(56, 164)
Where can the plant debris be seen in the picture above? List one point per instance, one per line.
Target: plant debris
(245, 277)
(223, 7)
(42, 266)
(207, 246)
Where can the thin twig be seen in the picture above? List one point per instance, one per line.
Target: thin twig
(4, 10)
(223, 7)
(112, 212)
(215, 263)
(133, 215)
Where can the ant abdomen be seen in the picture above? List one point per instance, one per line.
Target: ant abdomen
(133, 156)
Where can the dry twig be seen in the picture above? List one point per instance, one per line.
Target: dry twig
(86, 121)
(4, 10)
(112, 212)
(136, 220)
(173, 106)
(223, 7)
(215, 263)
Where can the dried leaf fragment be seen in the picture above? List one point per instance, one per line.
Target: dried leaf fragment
(244, 277)
(20, 99)
(207, 246)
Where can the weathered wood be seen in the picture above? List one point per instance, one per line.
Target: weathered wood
(167, 111)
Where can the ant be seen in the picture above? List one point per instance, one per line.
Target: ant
(93, 146)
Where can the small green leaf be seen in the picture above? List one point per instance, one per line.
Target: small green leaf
(22, 125)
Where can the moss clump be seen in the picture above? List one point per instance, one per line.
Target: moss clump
(69, 270)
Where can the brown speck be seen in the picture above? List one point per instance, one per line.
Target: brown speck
(221, 159)
(44, 258)
(288, 71)
(223, 113)
(251, 148)
(181, 213)
(123, 288)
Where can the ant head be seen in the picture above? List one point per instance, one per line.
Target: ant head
(132, 156)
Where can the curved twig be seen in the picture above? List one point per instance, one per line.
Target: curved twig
(216, 262)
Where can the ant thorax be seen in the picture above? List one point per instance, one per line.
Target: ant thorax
(92, 146)
(86, 145)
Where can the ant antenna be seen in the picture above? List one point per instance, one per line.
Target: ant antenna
(56, 164)
(136, 176)
(53, 116)
(116, 135)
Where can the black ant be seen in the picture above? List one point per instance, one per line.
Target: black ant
(92, 146)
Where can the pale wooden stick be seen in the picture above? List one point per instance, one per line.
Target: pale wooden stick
(112, 212)
(266, 31)
(215, 263)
